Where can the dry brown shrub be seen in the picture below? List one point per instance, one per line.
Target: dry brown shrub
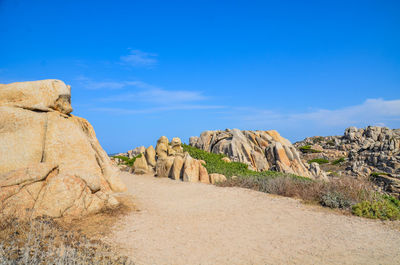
(352, 190)
(44, 240)
(100, 224)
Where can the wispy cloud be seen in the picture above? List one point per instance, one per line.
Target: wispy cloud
(157, 96)
(111, 84)
(88, 83)
(122, 111)
(370, 112)
(155, 99)
(139, 58)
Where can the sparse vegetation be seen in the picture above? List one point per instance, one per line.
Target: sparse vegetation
(331, 143)
(128, 161)
(339, 193)
(319, 161)
(382, 207)
(215, 164)
(318, 139)
(335, 200)
(354, 195)
(333, 174)
(377, 174)
(43, 241)
(308, 149)
(338, 161)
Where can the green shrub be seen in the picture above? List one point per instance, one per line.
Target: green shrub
(383, 207)
(308, 149)
(333, 174)
(339, 193)
(331, 143)
(215, 164)
(338, 161)
(128, 161)
(319, 161)
(377, 174)
(318, 139)
(335, 200)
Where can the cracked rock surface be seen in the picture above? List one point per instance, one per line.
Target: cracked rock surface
(51, 162)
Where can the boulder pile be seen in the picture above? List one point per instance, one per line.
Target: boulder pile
(168, 160)
(260, 150)
(367, 150)
(51, 162)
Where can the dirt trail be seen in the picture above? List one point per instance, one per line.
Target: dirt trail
(191, 223)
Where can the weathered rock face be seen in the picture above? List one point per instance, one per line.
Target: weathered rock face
(51, 162)
(217, 178)
(176, 171)
(162, 147)
(176, 147)
(163, 166)
(140, 166)
(260, 150)
(151, 156)
(191, 169)
(373, 149)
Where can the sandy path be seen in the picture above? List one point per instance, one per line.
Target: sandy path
(190, 223)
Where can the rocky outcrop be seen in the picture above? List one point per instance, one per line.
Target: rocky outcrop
(364, 151)
(51, 162)
(377, 148)
(168, 161)
(260, 150)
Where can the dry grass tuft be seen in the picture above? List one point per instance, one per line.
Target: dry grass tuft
(44, 240)
(100, 224)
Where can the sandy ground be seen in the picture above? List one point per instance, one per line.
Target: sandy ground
(193, 223)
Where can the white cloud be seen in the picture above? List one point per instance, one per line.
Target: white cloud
(155, 98)
(139, 58)
(370, 112)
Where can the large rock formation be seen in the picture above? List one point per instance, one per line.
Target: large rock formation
(51, 162)
(260, 150)
(363, 151)
(167, 161)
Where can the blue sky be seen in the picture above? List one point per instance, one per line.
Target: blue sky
(142, 69)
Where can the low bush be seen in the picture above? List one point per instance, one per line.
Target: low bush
(382, 207)
(338, 161)
(355, 195)
(318, 139)
(335, 200)
(43, 241)
(128, 161)
(331, 143)
(319, 161)
(377, 174)
(215, 164)
(308, 149)
(338, 193)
